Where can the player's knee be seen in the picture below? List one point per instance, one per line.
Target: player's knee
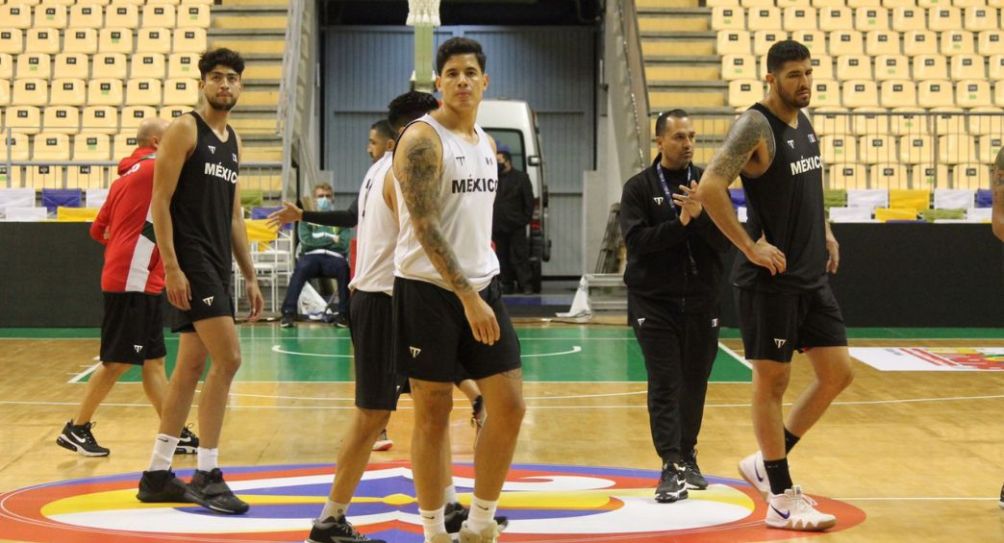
(843, 379)
(117, 368)
(227, 365)
(373, 421)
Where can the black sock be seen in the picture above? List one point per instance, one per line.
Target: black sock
(790, 440)
(778, 475)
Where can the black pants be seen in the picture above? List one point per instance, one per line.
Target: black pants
(679, 350)
(318, 265)
(513, 251)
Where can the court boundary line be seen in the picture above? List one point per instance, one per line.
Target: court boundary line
(733, 354)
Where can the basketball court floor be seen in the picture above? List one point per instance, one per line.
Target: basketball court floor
(911, 452)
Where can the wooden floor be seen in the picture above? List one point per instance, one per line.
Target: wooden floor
(919, 452)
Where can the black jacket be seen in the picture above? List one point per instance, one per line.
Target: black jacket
(667, 261)
(344, 219)
(513, 202)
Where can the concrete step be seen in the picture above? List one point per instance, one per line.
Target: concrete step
(681, 71)
(682, 98)
(654, 4)
(674, 20)
(244, 20)
(678, 44)
(254, 124)
(245, 41)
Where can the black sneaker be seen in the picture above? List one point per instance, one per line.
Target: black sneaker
(287, 321)
(209, 490)
(188, 442)
(162, 486)
(1002, 497)
(340, 321)
(80, 439)
(692, 474)
(455, 514)
(672, 486)
(332, 530)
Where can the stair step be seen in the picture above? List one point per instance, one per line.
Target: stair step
(681, 72)
(677, 47)
(248, 45)
(662, 100)
(674, 21)
(249, 21)
(649, 4)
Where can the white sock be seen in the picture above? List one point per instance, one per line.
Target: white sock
(482, 514)
(208, 459)
(450, 495)
(333, 509)
(433, 522)
(163, 452)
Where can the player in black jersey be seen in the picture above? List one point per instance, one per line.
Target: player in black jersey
(198, 221)
(783, 292)
(997, 219)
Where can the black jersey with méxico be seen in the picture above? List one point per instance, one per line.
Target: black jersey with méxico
(785, 204)
(202, 205)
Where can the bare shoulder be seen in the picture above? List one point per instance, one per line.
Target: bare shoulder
(750, 139)
(998, 179)
(750, 128)
(418, 147)
(417, 133)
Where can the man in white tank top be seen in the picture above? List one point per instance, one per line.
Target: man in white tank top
(447, 299)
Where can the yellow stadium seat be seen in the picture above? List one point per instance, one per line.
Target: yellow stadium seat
(6, 66)
(825, 93)
(183, 92)
(171, 2)
(920, 42)
(916, 149)
(885, 214)
(124, 145)
(763, 18)
(882, 42)
(708, 3)
(956, 149)
(799, 18)
(813, 40)
(783, 4)
(738, 67)
(132, 116)
(34, 66)
(948, 120)
(971, 93)
(171, 113)
(969, 3)
(153, 40)
(74, 65)
(11, 41)
(971, 176)
(835, 19)
(159, 16)
(80, 41)
(68, 92)
(27, 119)
(132, 2)
(822, 66)
(42, 40)
(756, 3)
(999, 94)
(65, 3)
(917, 199)
(190, 40)
(91, 146)
(957, 42)
(30, 92)
(928, 176)
(86, 16)
(743, 92)
(935, 93)
(986, 121)
(847, 176)
(820, 4)
(864, 4)
(981, 18)
(45, 176)
(876, 149)
(990, 42)
(867, 19)
(120, 15)
(893, 4)
(16, 16)
(108, 65)
(209, 2)
(838, 149)
(988, 148)
(104, 92)
(944, 18)
(115, 40)
(859, 93)
(846, 42)
(87, 177)
(143, 92)
(194, 16)
(890, 175)
(148, 65)
(891, 67)
(831, 121)
(870, 122)
(905, 19)
(50, 16)
(185, 66)
(4, 93)
(103, 119)
(728, 18)
(76, 214)
(730, 42)
(61, 119)
(930, 67)
(50, 146)
(854, 67)
(15, 143)
(967, 67)
(764, 39)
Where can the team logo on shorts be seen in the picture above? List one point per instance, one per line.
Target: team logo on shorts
(138, 348)
(543, 503)
(208, 300)
(415, 351)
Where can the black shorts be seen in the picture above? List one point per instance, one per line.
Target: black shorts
(132, 330)
(211, 297)
(435, 342)
(377, 381)
(775, 324)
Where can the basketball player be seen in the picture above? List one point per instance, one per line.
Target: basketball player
(132, 331)
(783, 293)
(448, 309)
(997, 219)
(199, 225)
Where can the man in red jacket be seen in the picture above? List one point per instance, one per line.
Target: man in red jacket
(132, 331)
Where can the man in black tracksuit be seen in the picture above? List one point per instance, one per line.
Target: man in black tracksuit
(512, 211)
(674, 269)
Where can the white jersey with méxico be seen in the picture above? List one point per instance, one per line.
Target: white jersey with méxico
(376, 233)
(467, 194)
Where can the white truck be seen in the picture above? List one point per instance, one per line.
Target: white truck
(514, 124)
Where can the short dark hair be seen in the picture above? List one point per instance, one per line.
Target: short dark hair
(220, 57)
(660, 121)
(785, 51)
(459, 46)
(408, 107)
(383, 128)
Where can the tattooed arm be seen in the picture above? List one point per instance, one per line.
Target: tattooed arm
(997, 191)
(417, 163)
(750, 142)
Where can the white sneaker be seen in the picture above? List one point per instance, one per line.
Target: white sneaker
(383, 443)
(753, 470)
(793, 510)
(488, 535)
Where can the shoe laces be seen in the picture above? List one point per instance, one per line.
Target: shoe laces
(803, 502)
(186, 432)
(85, 431)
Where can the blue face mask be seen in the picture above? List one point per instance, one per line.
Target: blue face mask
(324, 204)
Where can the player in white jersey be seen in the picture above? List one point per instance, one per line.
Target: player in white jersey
(448, 311)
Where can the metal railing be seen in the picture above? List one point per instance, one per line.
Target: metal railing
(629, 45)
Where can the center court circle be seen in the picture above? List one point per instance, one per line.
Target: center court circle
(545, 504)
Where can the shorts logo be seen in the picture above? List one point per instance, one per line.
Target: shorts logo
(780, 342)
(415, 351)
(138, 348)
(641, 321)
(658, 200)
(208, 300)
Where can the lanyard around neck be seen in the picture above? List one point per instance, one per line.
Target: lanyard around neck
(665, 186)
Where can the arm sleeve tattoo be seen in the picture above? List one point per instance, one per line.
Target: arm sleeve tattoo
(748, 131)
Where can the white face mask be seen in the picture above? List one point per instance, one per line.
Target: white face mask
(323, 203)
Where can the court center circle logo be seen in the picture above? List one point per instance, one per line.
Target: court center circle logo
(544, 503)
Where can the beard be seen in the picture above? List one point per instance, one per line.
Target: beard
(221, 105)
(793, 101)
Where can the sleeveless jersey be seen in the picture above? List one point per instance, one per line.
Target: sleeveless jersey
(786, 205)
(467, 194)
(376, 233)
(202, 205)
